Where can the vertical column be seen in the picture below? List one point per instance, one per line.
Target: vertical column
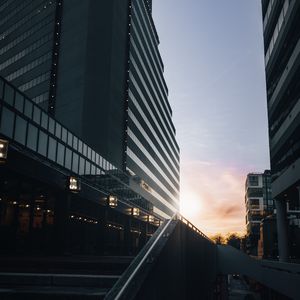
(282, 232)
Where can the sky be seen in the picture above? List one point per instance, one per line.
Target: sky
(214, 67)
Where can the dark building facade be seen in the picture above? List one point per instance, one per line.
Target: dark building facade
(95, 66)
(281, 22)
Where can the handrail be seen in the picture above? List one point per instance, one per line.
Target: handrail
(126, 279)
(156, 238)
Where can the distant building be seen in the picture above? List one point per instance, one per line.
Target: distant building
(259, 203)
(281, 28)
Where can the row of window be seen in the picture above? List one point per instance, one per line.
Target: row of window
(45, 134)
(173, 159)
(25, 35)
(152, 161)
(268, 12)
(29, 67)
(152, 50)
(146, 99)
(16, 9)
(142, 166)
(26, 51)
(277, 30)
(174, 171)
(21, 22)
(30, 84)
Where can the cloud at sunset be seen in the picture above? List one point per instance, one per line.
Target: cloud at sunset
(219, 192)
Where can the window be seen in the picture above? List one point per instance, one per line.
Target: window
(52, 149)
(19, 102)
(32, 137)
(7, 122)
(60, 154)
(36, 114)
(9, 94)
(43, 143)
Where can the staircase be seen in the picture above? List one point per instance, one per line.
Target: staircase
(60, 277)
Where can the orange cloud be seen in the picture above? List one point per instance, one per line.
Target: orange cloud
(220, 193)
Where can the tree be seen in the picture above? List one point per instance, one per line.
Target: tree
(218, 239)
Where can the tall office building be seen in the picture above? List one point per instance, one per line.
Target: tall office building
(259, 204)
(95, 66)
(281, 25)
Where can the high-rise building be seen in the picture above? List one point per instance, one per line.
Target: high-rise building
(95, 66)
(281, 26)
(259, 204)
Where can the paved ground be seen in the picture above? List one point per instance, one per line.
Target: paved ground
(239, 290)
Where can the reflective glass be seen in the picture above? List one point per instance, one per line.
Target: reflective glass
(36, 114)
(84, 150)
(68, 159)
(80, 146)
(9, 94)
(87, 168)
(81, 165)
(19, 102)
(7, 122)
(43, 139)
(28, 108)
(32, 137)
(58, 130)
(51, 125)
(70, 139)
(64, 134)
(20, 130)
(60, 154)
(52, 148)
(75, 162)
(75, 142)
(93, 170)
(44, 122)
(89, 153)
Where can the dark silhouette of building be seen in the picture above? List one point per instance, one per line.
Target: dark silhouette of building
(95, 67)
(281, 22)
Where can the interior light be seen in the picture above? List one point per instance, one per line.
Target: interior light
(112, 201)
(3, 150)
(74, 184)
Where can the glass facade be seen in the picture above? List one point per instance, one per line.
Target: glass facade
(26, 45)
(152, 150)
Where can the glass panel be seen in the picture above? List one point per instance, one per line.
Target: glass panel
(28, 108)
(60, 154)
(93, 156)
(93, 170)
(81, 165)
(87, 168)
(75, 162)
(70, 139)
(32, 137)
(51, 125)
(80, 146)
(44, 122)
(7, 122)
(52, 149)
(75, 142)
(43, 139)
(58, 130)
(98, 172)
(20, 130)
(97, 158)
(89, 153)
(84, 149)
(36, 114)
(9, 94)
(64, 135)
(68, 159)
(19, 102)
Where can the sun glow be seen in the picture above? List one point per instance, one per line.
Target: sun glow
(190, 205)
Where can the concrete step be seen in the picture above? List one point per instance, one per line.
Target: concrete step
(66, 280)
(47, 293)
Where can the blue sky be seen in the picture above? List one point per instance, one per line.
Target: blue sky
(214, 67)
